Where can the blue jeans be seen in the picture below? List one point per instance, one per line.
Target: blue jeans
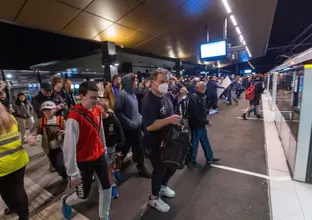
(200, 135)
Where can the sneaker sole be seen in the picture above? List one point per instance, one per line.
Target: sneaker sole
(66, 214)
(168, 196)
(155, 207)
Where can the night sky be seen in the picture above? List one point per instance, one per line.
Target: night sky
(22, 47)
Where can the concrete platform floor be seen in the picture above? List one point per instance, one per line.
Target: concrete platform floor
(202, 193)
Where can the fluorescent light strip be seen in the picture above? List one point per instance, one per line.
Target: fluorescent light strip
(238, 30)
(241, 38)
(233, 20)
(244, 42)
(227, 6)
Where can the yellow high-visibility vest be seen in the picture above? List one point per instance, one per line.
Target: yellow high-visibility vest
(12, 154)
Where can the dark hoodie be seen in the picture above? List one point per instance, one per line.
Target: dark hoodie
(112, 130)
(126, 105)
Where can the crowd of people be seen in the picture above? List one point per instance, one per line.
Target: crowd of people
(86, 142)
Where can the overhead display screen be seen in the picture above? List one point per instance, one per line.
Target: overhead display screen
(213, 50)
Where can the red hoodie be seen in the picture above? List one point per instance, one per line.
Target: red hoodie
(89, 145)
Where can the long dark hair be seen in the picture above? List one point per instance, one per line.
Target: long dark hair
(18, 101)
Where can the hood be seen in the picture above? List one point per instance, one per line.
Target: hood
(126, 83)
(110, 115)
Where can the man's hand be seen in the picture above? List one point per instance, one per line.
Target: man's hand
(209, 123)
(59, 107)
(61, 132)
(75, 183)
(174, 119)
(11, 110)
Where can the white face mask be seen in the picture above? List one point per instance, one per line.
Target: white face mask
(163, 88)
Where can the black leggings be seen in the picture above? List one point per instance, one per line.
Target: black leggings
(13, 193)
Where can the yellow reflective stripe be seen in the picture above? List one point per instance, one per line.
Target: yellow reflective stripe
(9, 140)
(6, 153)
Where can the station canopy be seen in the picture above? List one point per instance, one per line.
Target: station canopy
(169, 28)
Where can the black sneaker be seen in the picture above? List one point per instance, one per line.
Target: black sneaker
(259, 116)
(8, 211)
(244, 116)
(144, 174)
(214, 160)
(195, 164)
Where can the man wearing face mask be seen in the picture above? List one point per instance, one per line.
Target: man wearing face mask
(126, 110)
(158, 112)
(197, 119)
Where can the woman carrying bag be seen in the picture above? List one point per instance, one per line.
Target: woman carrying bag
(13, 160)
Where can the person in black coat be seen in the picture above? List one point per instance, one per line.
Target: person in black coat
(197, 119)
(211, 92)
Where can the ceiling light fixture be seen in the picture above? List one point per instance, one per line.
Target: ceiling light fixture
(238, 30)
(9, 76)
(244, 42)
(241, 38)
(116, 64)
(233, 20)
(227, 6)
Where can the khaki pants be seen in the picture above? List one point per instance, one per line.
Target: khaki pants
(23, 124)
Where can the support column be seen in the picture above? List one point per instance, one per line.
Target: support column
(108, 59)
(39, 77)
(274, 90)
(178, 67)
(268, 82)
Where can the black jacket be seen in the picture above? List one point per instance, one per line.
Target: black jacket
(113, 130)
(37, 101)
(197, 111)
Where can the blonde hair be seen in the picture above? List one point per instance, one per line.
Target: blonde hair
(104, 104)
(6, 120)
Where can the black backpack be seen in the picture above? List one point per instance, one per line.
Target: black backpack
(174, 150)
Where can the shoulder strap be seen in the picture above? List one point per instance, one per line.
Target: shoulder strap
(60, 122)
(43, 123)
(87, 117)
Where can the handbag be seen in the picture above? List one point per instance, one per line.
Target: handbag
(175, 148)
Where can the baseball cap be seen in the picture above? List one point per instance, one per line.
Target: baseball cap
(46, 86)
(48, 105)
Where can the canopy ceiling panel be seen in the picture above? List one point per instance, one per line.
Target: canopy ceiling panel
(144, 20)
(81, 4)
(9, 9)
(173, 28)
(46, 14)
(87, 26)
(122, 35)
(112, 9)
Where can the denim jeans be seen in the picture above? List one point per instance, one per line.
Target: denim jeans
(200, 135)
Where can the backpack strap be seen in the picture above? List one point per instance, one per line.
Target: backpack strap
(87, 117)
(43, 123)
(60, 122)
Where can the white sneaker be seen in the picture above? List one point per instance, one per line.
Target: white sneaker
(159, 204)
(166, 191)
